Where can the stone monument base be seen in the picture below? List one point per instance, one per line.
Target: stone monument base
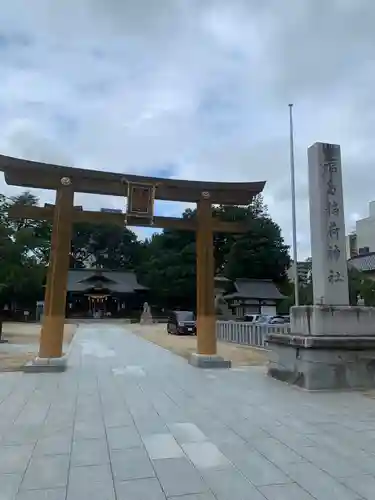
(206, 361)
(46, 365)
(333, 320)
(329, 348)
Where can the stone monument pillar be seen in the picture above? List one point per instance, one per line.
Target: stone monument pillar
(331, 345)
(327, 226)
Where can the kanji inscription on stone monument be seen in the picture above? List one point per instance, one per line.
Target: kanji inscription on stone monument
(329, 265)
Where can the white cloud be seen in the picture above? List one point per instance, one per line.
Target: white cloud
(197, 89)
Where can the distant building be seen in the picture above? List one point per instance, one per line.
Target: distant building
(252, 296)
(303, 270)
(362, 241)
(351, 246)
(101, 292)
(365, 263)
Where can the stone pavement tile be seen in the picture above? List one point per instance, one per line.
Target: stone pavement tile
(140, 489)
(131, 464)
(93, 418)
(58, 444)
(22, 434)
(55, 494)
(230, 484)
(358, 425)
(91, 474)
(140, 411)
(46, 472)
(361, 440)
(151, 425)
(331, 462)
(178, 477)
(275, 451)
(203, 418)
(187, 432)
(57, 423)
(301, 426)
(88, 402)
(207, 423)
(117, 419)
(364, 461)
(318, 483)
(174, 415)
(87, 430)
(364, 485)
(9, 484)
(198, 496)
(249, 431)
(206, 455)
(285, 492)
(162, 446)
(33, 414)
(122, 438)
(91, 491)
(89, 452)
(224, 436)
(291, 439)
(258, 469)
(14, 458)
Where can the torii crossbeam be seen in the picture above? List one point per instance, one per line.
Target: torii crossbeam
(140, 193)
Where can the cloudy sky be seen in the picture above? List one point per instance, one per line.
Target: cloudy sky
(195, 89)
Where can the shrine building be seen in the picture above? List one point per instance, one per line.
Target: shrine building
(101, 293)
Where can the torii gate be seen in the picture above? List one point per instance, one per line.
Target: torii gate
(140, 193)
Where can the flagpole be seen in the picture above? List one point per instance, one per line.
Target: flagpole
(294, 223)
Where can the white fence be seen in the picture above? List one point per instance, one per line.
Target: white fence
(247, 333)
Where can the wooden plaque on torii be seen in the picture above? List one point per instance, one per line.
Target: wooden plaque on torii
(140, 201)
(141, 192)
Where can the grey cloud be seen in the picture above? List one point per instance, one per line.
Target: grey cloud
(203, 86)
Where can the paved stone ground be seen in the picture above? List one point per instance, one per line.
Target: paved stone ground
(131, 421)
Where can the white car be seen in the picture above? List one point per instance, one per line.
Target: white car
(252, 318)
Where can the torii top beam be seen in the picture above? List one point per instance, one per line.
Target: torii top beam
(26, 173)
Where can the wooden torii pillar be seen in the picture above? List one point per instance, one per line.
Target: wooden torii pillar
(141, 192)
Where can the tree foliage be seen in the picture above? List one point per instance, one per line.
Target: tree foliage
(24, 249)
(166, 262)
(360, 287)
(170, 265)
(106, 246)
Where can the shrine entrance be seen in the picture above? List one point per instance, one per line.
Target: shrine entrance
(140, 193)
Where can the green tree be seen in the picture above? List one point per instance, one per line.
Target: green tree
(32, 236)
(24, 248)
(168, 268)
(108, 246)
(170, 263)
(362, 286)
(359, 286)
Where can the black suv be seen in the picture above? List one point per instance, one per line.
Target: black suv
(182, 323)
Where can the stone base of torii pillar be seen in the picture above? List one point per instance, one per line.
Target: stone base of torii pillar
(331, 345)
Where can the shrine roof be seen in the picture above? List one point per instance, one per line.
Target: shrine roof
(255, 289)
(363, 262)
(26, 173)
(81, 280)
